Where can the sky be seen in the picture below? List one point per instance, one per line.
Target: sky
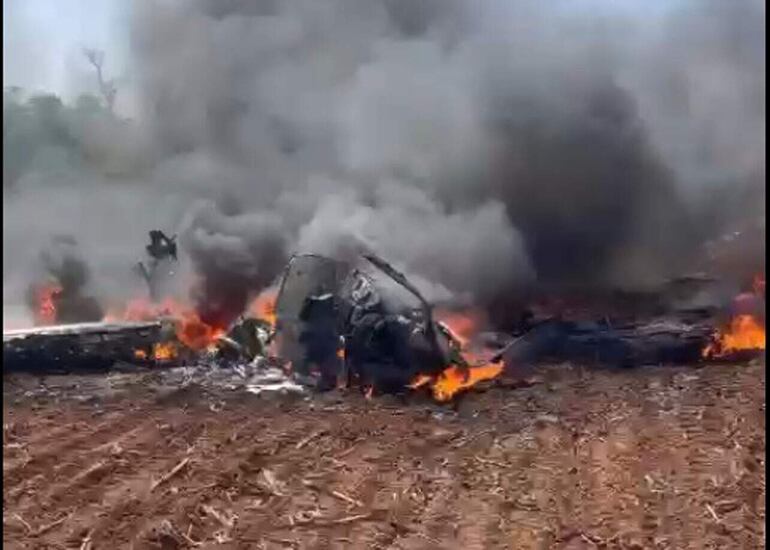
(43, 42)
(43, 39)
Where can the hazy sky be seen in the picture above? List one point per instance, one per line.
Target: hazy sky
(43, 40)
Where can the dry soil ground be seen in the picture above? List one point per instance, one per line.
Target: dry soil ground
(650, 458)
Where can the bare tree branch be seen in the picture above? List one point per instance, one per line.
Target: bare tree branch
(106, 87)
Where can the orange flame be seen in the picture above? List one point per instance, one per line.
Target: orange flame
(161, 351)
(744, 333)
(463, 325)
(194, 333)
(454, 379)
(164, 351)
(45, 298)
(188, 326)
(263, 306)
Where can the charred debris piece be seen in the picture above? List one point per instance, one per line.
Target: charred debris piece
(602, 344)
(333, 317)
(84, 347)
(161, 251)
(247, 340)
(78, 347)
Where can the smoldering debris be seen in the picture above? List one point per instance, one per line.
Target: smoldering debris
(334, 323)
(78, 347)
(161, 251)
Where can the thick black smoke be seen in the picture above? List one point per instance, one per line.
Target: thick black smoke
(234, 257)
(480, 147)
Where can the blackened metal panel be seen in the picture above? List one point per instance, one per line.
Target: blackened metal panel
(306, 275)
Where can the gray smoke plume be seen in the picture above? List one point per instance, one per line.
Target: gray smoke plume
(480, 147)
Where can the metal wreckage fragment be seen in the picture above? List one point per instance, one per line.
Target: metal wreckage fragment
(79, 347)
(332, 317)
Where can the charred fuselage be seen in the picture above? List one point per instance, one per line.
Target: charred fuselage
(331, 315)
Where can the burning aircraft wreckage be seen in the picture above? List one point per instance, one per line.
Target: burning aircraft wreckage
(328, 323)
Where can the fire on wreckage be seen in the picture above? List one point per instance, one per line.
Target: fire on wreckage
(329, 321)
(332, 317)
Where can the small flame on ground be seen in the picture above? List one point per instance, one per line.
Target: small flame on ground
(744, 333)
(140, 354)
(454, 379)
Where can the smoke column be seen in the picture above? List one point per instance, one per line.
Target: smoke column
(480, 147)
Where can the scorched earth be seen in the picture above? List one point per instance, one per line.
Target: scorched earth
(652, 457)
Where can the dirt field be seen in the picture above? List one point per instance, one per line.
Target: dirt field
(650, 458)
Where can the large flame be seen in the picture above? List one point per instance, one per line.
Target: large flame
(194, 333)
(743, 333)
(190, 330)
(454, 379)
